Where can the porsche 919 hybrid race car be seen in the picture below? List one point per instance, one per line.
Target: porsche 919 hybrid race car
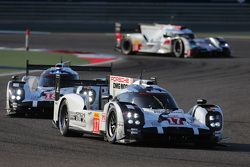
(131, 110)
(169, 39)
(37, 93)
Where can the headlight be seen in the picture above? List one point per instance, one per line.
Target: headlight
(133, 118)
(211, 118)
(18, 97)
(214, 121)
(212, 125)
(13, 97)
(137, 122)
(90, 94)
(19, 92)
(130, 121)
(136, 115)
(226, 45)
(90, 99)
(217, 124)
(129, 114)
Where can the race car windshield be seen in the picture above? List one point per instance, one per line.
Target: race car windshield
(189, 36)
(49, 80)
(150, 100)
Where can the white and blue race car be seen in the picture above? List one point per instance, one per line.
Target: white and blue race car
(37, 93)
(126, 110)
(169, 39)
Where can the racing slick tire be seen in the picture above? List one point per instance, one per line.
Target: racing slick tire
(64, 119)
(111, 125)
(127, 47)
(178, 48)
(63, 122)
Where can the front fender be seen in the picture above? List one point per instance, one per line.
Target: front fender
(75, 102)
(121, 110)
(201, 114)
(120, 133)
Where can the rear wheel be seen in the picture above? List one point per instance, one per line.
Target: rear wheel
(178, 48)
(111, 125)
(127, 47)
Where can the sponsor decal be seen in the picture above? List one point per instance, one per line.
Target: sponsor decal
(136, 45)
(134, 131)
(120, 82)
(117, 83)
(172, 120)
(120, 79)
(49, 96)
(96, 123)
(34, 103)
(103, 117)
(120, 85)
(160, 111)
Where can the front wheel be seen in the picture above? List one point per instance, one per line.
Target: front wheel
(111, 125)
(178, 48)
(64, 119)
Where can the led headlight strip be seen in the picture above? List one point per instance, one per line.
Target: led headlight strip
(133, 118)
(214, 121)
(16, 94)
(91, 94)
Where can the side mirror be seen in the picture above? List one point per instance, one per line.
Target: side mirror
(201, 101)
(107, 97)
(154, 79)
(165, 36)
(14, 77)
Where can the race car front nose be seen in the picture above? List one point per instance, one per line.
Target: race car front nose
(175, 131)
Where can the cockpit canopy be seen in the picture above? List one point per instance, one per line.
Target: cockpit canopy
(179, 32)
(149, 100)
(47, 78)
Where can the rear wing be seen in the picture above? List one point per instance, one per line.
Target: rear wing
(76, 83)
(118, 83)
(128, 28)
(75, 68)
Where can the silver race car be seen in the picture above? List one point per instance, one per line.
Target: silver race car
(169, 39)
(37, 93)
(126, 110)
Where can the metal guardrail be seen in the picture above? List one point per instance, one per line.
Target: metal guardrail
(83, 13)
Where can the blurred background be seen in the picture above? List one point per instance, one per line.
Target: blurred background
(100, 15)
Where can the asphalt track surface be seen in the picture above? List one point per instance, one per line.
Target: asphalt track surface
(223, 81)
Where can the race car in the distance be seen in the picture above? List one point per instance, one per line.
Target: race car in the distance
(37, 93)
(169, 39)
(131, 110)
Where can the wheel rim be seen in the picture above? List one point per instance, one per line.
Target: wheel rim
(178, 48)
(112, 124)
(64, 118)
(126, 45)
